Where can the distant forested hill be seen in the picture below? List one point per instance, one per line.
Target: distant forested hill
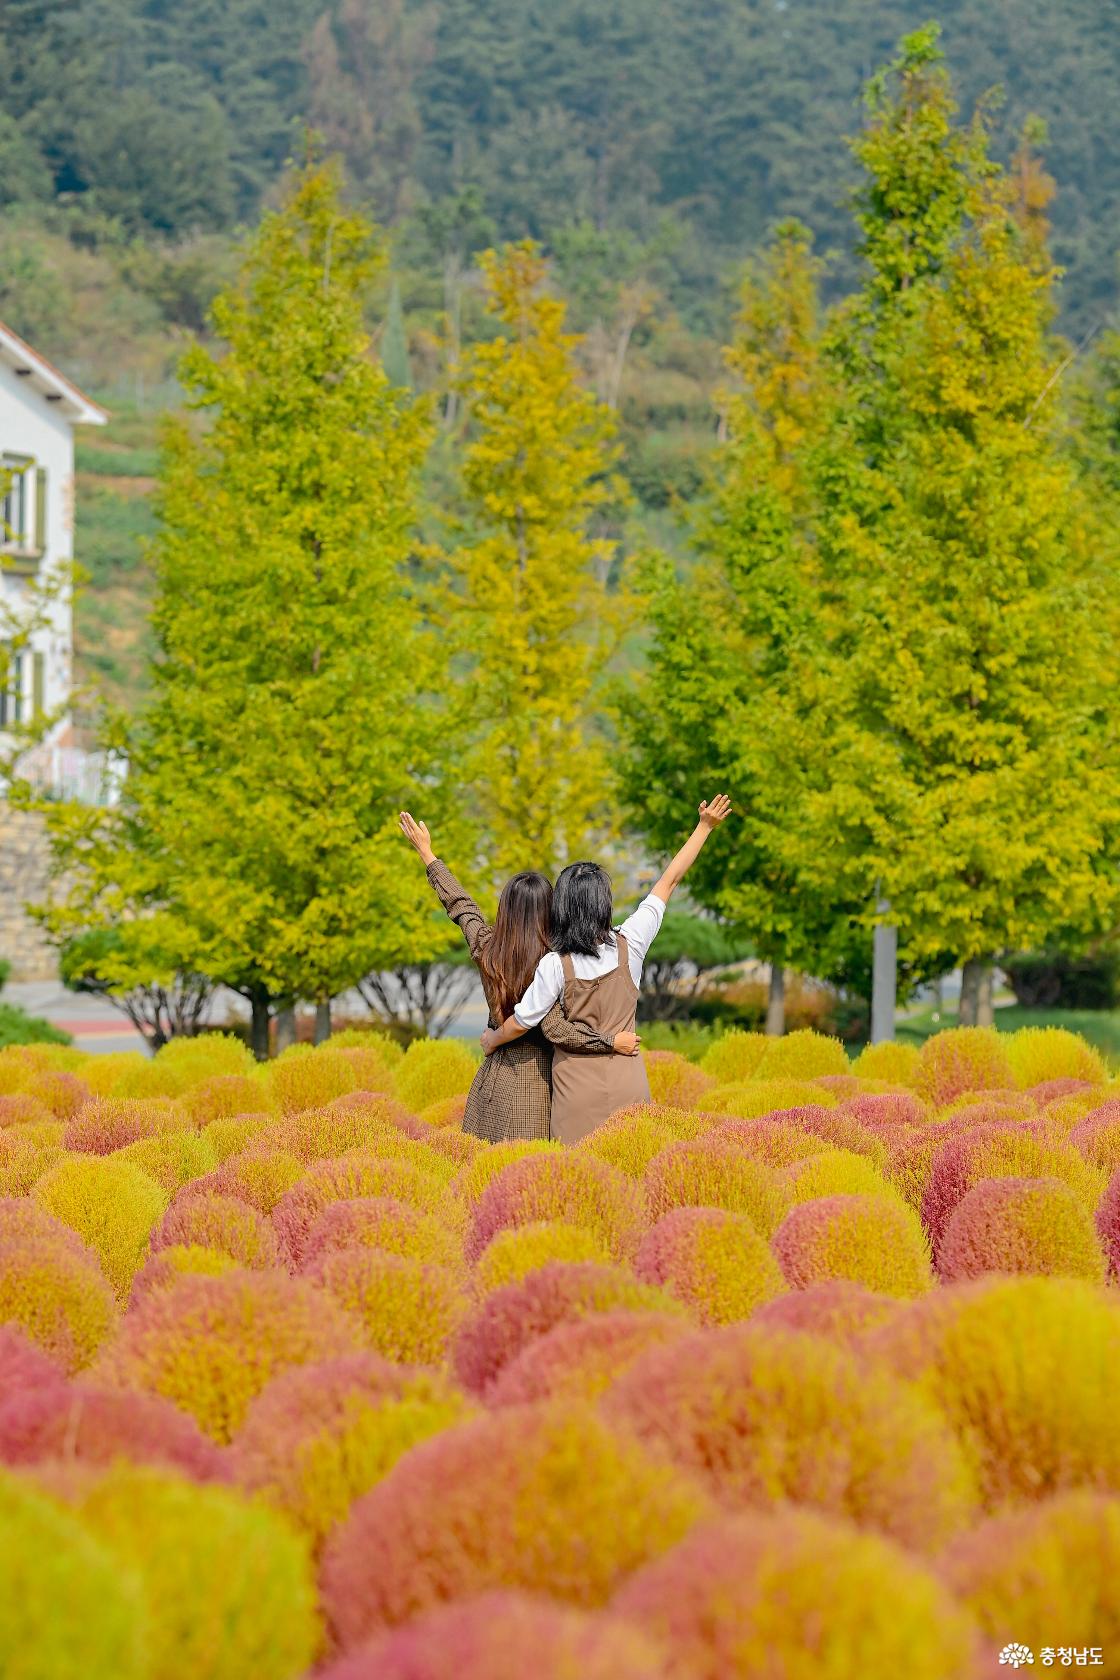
(686, 124)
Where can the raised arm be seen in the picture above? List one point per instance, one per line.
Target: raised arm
(457, 902)
(711, 815)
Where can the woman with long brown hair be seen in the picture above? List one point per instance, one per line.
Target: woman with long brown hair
(511, 1095)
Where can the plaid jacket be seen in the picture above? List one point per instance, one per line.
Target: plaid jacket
(511, 1096)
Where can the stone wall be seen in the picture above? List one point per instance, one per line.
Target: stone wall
(23, 876)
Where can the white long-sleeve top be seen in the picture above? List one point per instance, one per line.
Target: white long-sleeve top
(547, 985)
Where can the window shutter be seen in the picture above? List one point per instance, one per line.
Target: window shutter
(38, 684)
(40, 510)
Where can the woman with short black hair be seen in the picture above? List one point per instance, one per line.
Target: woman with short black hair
(511, 1094)
(596, 971)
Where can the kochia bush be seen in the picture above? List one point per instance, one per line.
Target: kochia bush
(506, 1635)
(87, 1425)
(199, 1219)
(360, 1174)
(433, 1068)
(764, 1416)
(712, 1260)
(408, 1310)
(791, 1596)
(210, 1344)
(573, 1187)
(838, 1310)
(996, 1152)
(381, 1222)
(1049, 1572)
(1040, 1054)
(513, 1254)
(556, 1294)
(112, 1204)
(543, 1498)
(303, 1077)
(228, 1586)
(1020, 1225)
(734, 1056)
(68, 1607)
(102, 1126)
(1024, 1368)
(580, 1359)
(320, 1435)
(804, 1054)
(876, 1241)
(52, 1286)
(962, 1059)
(714, 1172)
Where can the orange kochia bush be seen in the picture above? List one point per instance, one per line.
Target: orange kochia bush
(766, 1416)
(544, 1498)
(574, 1187)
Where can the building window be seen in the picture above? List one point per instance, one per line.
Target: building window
(12, 710)
(22, 504)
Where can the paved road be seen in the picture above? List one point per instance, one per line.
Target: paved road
(95, 1025)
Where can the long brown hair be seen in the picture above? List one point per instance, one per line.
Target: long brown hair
(519, 940)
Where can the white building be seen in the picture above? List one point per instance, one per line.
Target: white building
(39, 408)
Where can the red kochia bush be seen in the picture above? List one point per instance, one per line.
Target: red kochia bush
(506, 1636)
(380, 1222)
(363, 1173)
(839, 1309)
(97, 1426)
(1108, 1222)
(997, 1152)
(581, 1360)
(221, 1222)
(1020, 1225)
(1097, 1136)
(765, 1417)
(886, 1108)
(574, 1187)
(543, 1498)
(23, 1365)
(555, 1294)
(112, 1122)
(795, 1597)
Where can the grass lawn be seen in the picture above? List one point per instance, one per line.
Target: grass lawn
(1099, 1026)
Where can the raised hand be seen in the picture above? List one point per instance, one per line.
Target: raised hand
(416, 833)
(711, 815)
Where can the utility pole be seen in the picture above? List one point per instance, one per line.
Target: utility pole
(884, 977)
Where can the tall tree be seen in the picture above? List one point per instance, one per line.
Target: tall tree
(727, 694)
(290, 720)
(973, 761)
(528, 600)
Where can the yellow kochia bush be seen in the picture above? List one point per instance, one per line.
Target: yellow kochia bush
(304, 1077)
(802, 1055)
(433, 1068)
(513, 1254)
(1038, 1054)
(112, 1204)
(69, 1608)
(227, 1585)
(210, 1344)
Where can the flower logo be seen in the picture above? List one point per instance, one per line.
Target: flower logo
(1016, 1656)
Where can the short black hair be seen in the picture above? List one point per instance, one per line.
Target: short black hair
(582, 910)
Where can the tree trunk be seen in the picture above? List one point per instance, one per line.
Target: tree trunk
(985, 1015)
(976, 993)
(262, 1014)
(776, 1005)
(285, 1027)
(322, 1021)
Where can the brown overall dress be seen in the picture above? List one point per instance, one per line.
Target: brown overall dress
(586, 1090)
